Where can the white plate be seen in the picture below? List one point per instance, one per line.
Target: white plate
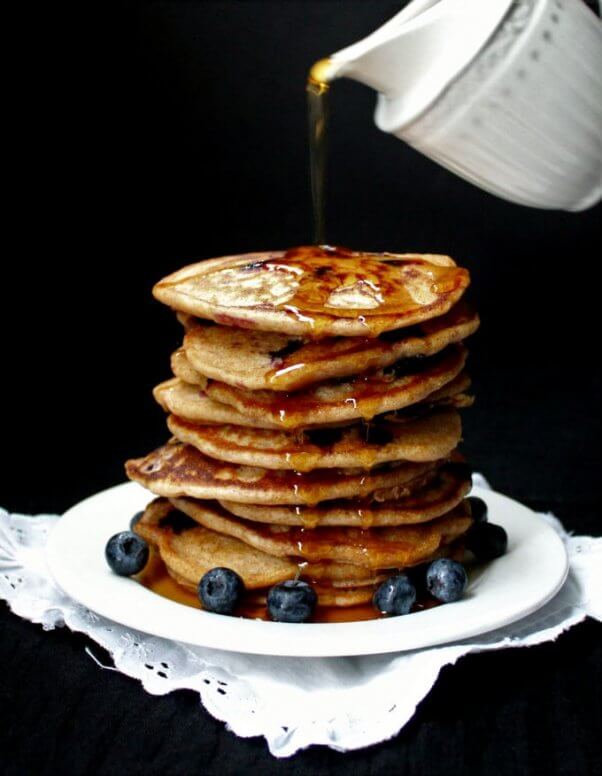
(501, 592)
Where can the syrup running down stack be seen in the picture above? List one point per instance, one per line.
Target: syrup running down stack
(314, 421)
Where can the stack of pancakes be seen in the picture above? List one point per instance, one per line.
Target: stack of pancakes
(314, 414)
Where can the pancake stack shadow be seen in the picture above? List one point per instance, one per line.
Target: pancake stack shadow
(314, 420)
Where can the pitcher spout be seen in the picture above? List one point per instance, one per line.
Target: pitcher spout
(414, 56)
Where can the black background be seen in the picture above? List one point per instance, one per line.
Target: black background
(152, 134)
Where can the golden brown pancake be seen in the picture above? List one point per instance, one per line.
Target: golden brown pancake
(189, 550)
(452, 394)
(317, 291)
(439, 495)
(190, 553)
(376, 548)
(314, 415)
(181, 470)
(258, 360)
(404, 383)
(183, 369)
(424, 438)
(191, 402)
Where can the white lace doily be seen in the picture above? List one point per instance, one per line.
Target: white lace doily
(344, 703)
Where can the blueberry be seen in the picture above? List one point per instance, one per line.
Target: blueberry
(396, 595)
(478, 509)
(292, 601)
(220, 590)
(126, 553)
(446, 580)
(136, 519)
(487, 541)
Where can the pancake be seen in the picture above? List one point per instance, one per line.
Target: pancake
(317, 291)
(181, 470)
(452, 394)
(190, 321)
(426, 438)
(189, 550)
(269, 361)
(182, 368)
(375, 548)
(437, 497)
(190, 402)
(406, 382)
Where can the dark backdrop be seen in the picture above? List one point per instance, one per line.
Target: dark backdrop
(152, 134)
(180, 133)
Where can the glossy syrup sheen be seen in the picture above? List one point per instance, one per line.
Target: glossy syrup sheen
(317, 112)
(336, 281)
(292, 367)
(377, 548)
(365, 393)
(367, 510)
(301, 359)
(322, 285)
(305, 449)
(156, 578)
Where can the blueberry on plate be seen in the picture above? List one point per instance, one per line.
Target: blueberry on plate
(478, 509)
(136, 519)
(487, 541)
(126, 553)
(446, 580)
(396, 595)
(292, 601)
(220, 589)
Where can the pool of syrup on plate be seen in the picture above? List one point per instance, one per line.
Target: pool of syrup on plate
(156, 578)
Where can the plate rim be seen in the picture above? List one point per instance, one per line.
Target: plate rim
(379, 636)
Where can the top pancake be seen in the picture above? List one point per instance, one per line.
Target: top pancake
(317, 291)
(277, 362)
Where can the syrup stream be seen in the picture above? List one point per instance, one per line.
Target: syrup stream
(317, 107)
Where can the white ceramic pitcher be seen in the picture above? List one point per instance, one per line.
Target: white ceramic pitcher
(505, 93)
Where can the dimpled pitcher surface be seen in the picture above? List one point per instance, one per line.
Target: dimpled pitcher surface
(506, 94)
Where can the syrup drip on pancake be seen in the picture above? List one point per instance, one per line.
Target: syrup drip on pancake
(313, 431)
(309, 282)
(377, 548)
(432, 495)
(317, 290)
(260, 360)
(427, 437)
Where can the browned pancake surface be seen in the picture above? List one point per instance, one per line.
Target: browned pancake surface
(181, 470)
(317, 291)
(404, 383)
(257, 360)
(375, 548)
(424, 438)
(189, 550)
(439, 495)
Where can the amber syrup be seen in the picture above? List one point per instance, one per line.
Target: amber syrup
(317, 109)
